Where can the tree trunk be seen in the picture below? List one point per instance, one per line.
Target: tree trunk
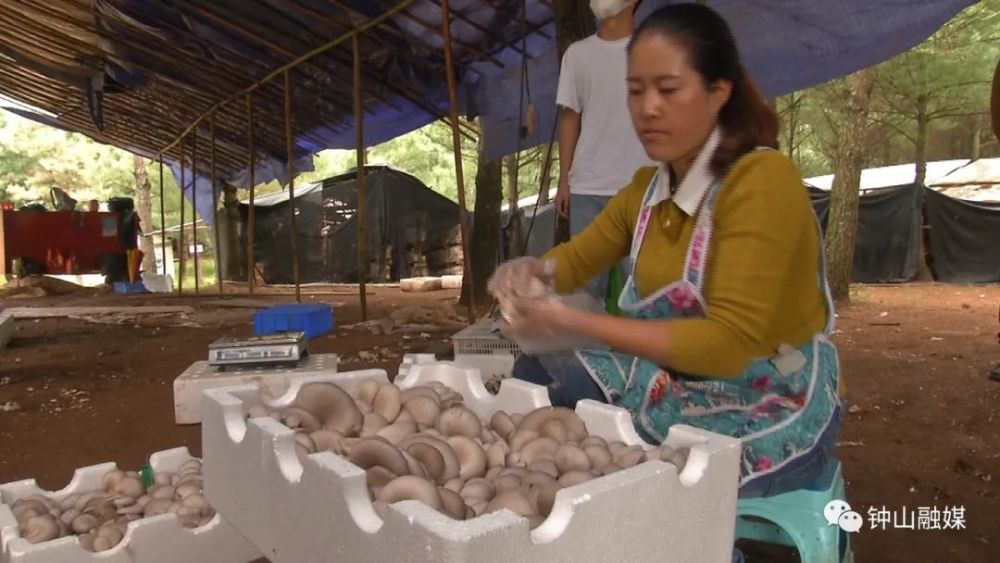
(514, 232)
(233, 264)
(920, 178)
(574, 21)
(977, 140)
(144, 206)
(549, 152)
(848, 162)
(995, 102)
(484, 244)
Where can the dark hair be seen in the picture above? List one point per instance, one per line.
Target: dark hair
(746, 120)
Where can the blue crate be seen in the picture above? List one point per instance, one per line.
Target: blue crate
(126, 287)
(314, 320)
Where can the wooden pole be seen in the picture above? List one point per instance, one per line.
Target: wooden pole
(359, 128)
(194, 211)
(457, 146)
(250, 212)
(180, 271)
(290, 150)
(163, 227)
(215, 204)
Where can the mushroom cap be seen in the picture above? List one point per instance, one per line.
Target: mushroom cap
(367, 390)
(185, 490)
(496, 454)
(373, 422)
(25, 509)
(331, 405)
(161, 491)
(416, 468)
(408, 487)
(374, 451)
(451, 464)
(130, 487)
(41, 528)
(302, 441)
(571, 458)
(537, 418)
(87, 540)
(158, 506)
(556, 430)
(399, 429)
(452, 503)
(539, 448)
(515, 501)
(298, 417)
(459, 421)
(478, 488)
(505, 483)
(111, 533)
(679, 458)
(377, 476)
(388, 402)
(101, 507)
(544, 466)
(84, 523)
(68, 502)
(420, 390)
(629, 456)
(545, 497)
(610, 468)
(502, 424)
(431, 458)
(471, 457)
(520, 438)
(575, 478)
(423, 409)
(327, 440)
(593, 441)
(599, 456)
(111, 479)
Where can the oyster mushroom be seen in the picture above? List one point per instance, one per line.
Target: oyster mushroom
(331, 405)
(471, 457)
(423, 409)
(408, 487)
(452, 504)
(571, 458)
(298, 417)
(451, 464)
(515, 501)
(367, 390)
(534, 421)
(502, 424)
(388, 402)
(42, 528)
(459, 421)
(399, 429)
(374, 451)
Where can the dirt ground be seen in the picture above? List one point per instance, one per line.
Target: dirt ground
(923, 427)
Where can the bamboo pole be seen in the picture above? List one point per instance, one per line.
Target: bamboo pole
(290, 149)
(163, 225)
(181, 272)
(194, 212)
(359, 128)
(250, 211)
(456, 140)
(402, 5)
(215, 205)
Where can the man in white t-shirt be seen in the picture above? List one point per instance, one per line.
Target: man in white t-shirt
(599, 150)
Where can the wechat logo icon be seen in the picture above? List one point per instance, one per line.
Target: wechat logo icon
(839, 513)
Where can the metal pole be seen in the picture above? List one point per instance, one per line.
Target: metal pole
(250, 212)
(457, 146)
(289, 148)
(194, 211)
(181, 272)
(215, 205)
(163, 226)
(359, 128)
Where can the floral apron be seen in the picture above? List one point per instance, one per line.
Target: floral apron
(778, 408)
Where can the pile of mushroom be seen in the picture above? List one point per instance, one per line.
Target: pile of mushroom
(100, 518)
(422, 443)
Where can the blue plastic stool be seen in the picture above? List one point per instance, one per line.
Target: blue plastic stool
(796, 520)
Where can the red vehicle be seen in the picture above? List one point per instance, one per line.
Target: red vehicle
(68, 242)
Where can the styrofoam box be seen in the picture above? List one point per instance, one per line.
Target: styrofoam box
(409, 360)
(157, 539)
(316, 508)
(273, 379)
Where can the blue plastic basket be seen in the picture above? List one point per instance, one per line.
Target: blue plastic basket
(126, 287)
(314, 320)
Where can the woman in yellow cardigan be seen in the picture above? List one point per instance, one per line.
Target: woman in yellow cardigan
(726, 305)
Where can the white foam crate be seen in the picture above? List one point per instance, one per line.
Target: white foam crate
(158, 539)
(316, 507)
(189, 386)
(6, 330)
(410, 360)
(478, 346)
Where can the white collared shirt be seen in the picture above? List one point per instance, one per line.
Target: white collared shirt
(699, 178)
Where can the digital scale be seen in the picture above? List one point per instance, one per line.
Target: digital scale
(282, 348)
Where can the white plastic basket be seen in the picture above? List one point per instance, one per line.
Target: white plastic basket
(492, 353)
(317, 508)
(157, 539)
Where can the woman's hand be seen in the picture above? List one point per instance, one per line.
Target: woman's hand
(523, 277)
(545, 318)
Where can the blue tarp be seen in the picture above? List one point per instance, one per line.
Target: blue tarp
(787, 45)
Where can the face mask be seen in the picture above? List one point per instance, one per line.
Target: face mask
(604, 9)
